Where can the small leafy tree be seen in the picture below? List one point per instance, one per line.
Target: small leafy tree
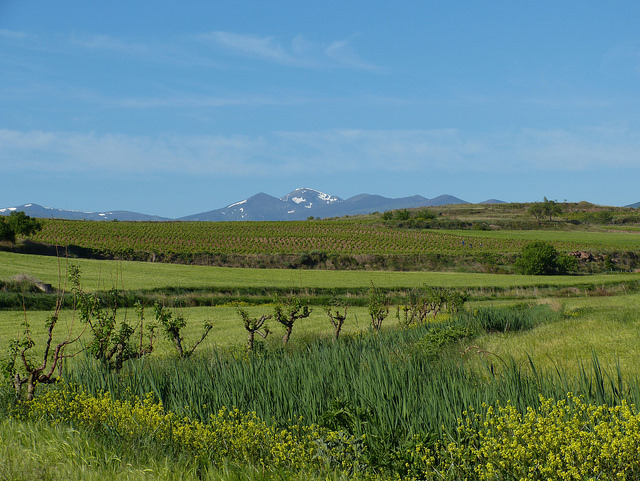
(378, 306)
(541, 258)
(422, 302)
(254, 325)
(22, 224)
(23, 367)
(172, 327)
(287, 312)
(402, 214)
(425, 214)
(111, 343)
(337, 313)
(547, 208)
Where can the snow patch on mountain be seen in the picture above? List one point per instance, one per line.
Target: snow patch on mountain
(305, 194)
(237, 203)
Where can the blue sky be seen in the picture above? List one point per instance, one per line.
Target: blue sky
(174, 108)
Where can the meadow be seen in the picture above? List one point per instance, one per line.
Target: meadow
(536, 377)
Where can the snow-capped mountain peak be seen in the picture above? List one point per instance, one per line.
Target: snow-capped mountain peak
(307, 197)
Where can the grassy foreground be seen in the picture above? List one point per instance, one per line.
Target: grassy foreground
(368, 407)
(375, 404)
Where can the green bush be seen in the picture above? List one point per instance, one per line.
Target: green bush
(541, 258)
(17, 223)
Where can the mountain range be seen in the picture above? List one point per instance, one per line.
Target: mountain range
(297, 205)
(304, 203)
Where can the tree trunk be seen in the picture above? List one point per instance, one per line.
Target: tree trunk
(179, 345)
(287, 335)
(31, 386)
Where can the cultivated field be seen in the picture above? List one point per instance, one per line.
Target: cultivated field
(338, 244)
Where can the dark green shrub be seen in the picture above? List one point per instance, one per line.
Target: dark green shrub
(18, 223)
(541, 258)
(6, 232)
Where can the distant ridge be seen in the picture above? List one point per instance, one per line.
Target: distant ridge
(635, 206)
(299, 204)
(35, 210)
(493, 201)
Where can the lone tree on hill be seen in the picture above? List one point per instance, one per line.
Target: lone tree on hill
(547, 208)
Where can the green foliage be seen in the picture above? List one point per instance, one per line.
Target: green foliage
(173, 326)
(424, 214)
(22, 224)
(541, 258)
(110, 344)
(254, 325)
(421, 302)
(24, 367)
(547, 208)
(402, 214)
(6, 232)
(231, 242)
(378, 303)
(595, 217)
(37, 450)
(288, 311)
(18, 224)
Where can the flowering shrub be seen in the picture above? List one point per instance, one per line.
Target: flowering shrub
(230, 435)
(563, 440)
(567, 440)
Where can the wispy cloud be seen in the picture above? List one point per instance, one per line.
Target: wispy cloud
(174, 52)
(197, 49)
(12, 34)
(266, 48)
(204, 101)
(622, 58)
(299, 52)
(109, 43)
(342, 52)
(420, 152)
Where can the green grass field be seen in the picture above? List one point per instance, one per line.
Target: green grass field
(608, 326)
(147, 276)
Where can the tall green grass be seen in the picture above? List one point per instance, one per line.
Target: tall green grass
(388, 386)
